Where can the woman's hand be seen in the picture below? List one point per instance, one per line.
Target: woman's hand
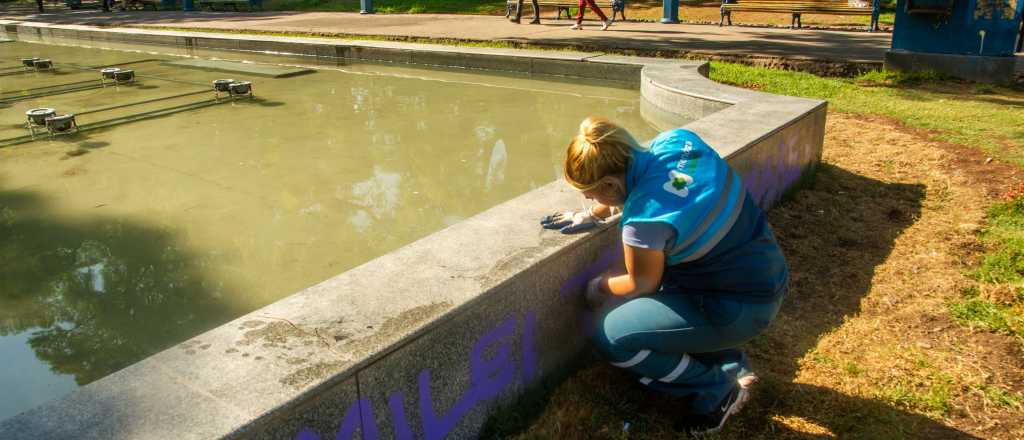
(570, 221)
(595, 294)
(644, 268)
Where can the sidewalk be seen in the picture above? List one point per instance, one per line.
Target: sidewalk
(645, 37)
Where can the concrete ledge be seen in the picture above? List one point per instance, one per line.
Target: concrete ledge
(999, 70)
(424, 341)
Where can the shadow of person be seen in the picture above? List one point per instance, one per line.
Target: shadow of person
(835, 231)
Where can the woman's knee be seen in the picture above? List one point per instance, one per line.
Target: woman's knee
(612, 327)
(619, 329)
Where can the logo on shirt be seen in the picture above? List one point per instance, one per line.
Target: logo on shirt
(678, 183)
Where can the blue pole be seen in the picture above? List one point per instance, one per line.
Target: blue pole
(186, 5)
(670, 11)
(365, 6)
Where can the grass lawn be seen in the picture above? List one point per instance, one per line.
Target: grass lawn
(904, 318)
(976, 115)
(997, 302)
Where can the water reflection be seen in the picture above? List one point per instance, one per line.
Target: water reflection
(497, 164)
(378, 196)
(96, 296)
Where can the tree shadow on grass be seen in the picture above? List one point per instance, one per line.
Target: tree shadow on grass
(100, 293)
(835, 232)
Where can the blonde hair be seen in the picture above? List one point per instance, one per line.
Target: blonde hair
(600, 149)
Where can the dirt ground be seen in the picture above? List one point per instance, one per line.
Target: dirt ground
(864, 347)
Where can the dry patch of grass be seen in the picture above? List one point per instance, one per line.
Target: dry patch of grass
(864, 347)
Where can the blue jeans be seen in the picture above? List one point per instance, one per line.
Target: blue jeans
(684, 344)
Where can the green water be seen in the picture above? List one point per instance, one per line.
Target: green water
(120, 242)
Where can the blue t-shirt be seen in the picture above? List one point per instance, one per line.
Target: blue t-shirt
(649, 235)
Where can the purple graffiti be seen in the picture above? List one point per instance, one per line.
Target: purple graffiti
(492, 370)
(487, 379)
(574, 285)
(529, 352)
(768, 179)
(396, 404)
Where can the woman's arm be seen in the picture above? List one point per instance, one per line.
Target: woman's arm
(644, 268)
(601, 211)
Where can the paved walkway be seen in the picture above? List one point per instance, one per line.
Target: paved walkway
(693, 39)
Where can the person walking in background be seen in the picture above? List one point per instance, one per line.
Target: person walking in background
(519, 12)
(39, 4)
(579, 15)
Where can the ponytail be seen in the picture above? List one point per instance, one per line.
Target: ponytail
(600, 149)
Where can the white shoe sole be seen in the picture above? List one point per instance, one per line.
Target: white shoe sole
(748, 381)
(737, 405)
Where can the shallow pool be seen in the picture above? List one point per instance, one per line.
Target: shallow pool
(120, 241)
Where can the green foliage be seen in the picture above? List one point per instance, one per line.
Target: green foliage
(1005, 234)
(899, 78)
(933, 397)
(981, 313)
(1003, 264)
(853, 369)
(1000, 397)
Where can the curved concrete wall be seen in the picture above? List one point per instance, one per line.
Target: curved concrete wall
(425, 341)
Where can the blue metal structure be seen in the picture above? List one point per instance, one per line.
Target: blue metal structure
(960, 27)
(670, 11)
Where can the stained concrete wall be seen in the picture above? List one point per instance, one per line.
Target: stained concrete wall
(425, 341)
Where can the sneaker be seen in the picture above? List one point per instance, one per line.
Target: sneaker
(714, 421)
(604, 26)
(576, 27)
(535, 21)
(747, 381)
(514, 20)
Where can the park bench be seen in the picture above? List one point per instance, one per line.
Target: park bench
(616, 6)
(212, 4)
(799, 7)
(139, 5)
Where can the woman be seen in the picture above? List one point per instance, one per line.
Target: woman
(704, 273)
(597, 10)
